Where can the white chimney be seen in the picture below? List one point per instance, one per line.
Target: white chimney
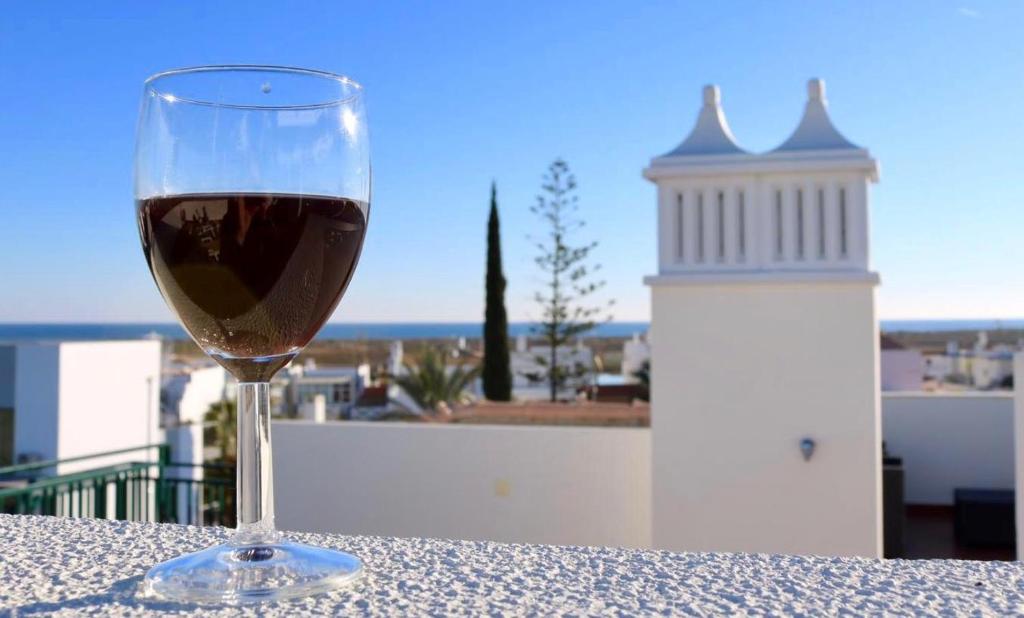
(314, 410)
(762, 257)
(395, 358)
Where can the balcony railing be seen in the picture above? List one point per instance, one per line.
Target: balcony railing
(158, 490)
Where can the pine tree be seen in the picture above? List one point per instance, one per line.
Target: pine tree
(565, 307)
(497, 376)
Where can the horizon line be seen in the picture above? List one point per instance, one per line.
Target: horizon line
(369, 322)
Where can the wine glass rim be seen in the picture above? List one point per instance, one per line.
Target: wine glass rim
(152, 80)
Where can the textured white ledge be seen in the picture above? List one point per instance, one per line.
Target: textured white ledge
(93, 567)
(753, 277)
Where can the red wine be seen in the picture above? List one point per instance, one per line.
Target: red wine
(252, 276)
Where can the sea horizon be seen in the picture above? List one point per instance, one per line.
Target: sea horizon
(14, 332)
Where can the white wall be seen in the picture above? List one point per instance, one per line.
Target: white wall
(570, 358)
(743, 372)
(205, 387)
(109, 395)
(635, 352)
(109, 399)
(990, 372)
(36, 388)
(902, 370)
(950, 440)
(561, 485)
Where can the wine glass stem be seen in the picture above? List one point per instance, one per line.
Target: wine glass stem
(255, 476)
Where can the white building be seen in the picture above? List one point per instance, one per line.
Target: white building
(67, 399)
(989, 367)
(340, 387)
(901, 369)
(992, 368)
(186, 396)
(939, 367)
(528, 373)
(635, 353)
(765, 395)
(982, 367)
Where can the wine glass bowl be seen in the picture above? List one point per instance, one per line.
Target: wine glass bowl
(252, 276)
(252, 192)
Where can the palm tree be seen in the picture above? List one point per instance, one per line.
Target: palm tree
(433, 385)
(222, 429)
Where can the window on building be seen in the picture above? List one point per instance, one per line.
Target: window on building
(342, 393)
(821, 223)
(700, 227)
(778, 224)
(680, 230)
(799, 224)
(741, 222)
(721, 226)
(842, 222)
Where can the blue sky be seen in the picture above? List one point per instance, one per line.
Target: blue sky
(463, 92)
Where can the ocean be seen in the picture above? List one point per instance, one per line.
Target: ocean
(413, 330)
(395, 330)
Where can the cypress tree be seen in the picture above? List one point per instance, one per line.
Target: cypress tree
(497, 376)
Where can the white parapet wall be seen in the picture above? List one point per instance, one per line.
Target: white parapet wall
(577, 485)
(558, 485)
(950, 440)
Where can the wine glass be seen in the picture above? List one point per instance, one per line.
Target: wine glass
(252, 189)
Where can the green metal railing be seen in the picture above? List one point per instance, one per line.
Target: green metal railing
(160, 490)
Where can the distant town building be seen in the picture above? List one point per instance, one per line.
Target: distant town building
(939, 367)
(373, 403)
(636, 352)
(902, 369)
(529, 380)
(187, 395)
(340, 387)
(990, 367)
(993, 369)
(982, 367)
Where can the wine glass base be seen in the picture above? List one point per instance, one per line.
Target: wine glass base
(239, 574)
